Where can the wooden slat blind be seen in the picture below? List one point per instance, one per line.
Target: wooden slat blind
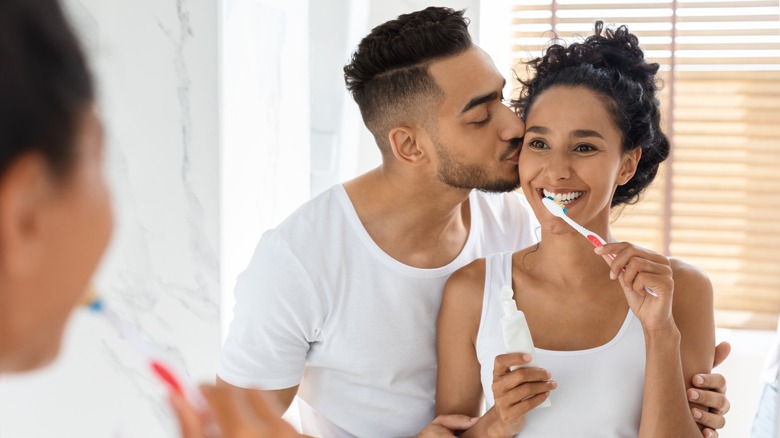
(716, 202)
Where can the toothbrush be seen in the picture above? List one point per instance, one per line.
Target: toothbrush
(160, 369)
(560, 211)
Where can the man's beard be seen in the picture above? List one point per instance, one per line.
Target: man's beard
(473, 176)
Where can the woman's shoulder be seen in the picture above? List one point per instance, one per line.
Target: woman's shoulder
(468, 278)
(461, 302)
(688, 275)
(692, 287)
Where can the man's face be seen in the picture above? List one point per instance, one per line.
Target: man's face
(476, 137)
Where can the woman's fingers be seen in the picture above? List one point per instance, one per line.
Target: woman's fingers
(638, 268)
(523, 392)
(629, 257)
(519, 377)
(518, 391)
(503, 363)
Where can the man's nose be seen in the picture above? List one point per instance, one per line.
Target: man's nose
(513, 126)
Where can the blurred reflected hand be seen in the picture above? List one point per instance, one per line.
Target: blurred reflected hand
(234, 414)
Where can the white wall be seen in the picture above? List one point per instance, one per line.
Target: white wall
(743, 372)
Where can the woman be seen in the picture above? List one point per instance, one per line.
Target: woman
(55, 212)
(615, 359)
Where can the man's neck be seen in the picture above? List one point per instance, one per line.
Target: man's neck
(419, 223)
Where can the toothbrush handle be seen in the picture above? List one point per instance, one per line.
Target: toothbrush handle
(165, 373)
(167, 376)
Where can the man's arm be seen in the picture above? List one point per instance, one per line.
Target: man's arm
(281, 399)
(276, 318)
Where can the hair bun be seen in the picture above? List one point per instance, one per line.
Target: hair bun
(617, 49)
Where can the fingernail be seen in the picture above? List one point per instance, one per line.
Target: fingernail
(612, 275)
(527, 357)
(708, 433)
(553, 383)
(697, 414)
(694, 395)
(699, 380)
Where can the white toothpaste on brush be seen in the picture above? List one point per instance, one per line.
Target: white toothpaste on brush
(517, 335)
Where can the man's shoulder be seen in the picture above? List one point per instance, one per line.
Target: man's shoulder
(316, 229)
(506, 220)
(502, 206)
(317, 211)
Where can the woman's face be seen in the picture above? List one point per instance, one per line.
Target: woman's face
(72, 223)
(572, 151)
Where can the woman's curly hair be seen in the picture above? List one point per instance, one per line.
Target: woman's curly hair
(611, 64)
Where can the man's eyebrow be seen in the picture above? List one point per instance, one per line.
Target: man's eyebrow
(479, 100)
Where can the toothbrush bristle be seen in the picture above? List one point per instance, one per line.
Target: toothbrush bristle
(95, 305)
(559, 204)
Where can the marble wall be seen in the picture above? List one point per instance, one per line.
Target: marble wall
(265, 161)
(156, 65)
(206, 110)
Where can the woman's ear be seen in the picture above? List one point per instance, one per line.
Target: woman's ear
(24, 191)
(630, 163)
(404, 144)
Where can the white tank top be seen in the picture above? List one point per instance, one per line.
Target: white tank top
(600, 389)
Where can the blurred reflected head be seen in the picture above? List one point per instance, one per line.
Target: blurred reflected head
(55, 216)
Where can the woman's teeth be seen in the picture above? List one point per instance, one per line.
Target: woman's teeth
(563, 198)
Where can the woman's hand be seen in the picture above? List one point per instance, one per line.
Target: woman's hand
(637, 268)
(517, 392)
(234, 414)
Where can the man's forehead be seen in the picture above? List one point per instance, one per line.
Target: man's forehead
(466, 76)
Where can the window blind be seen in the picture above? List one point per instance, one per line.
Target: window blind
(716, 201)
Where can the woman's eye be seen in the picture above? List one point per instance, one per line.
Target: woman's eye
(537, 144)
(584, 148)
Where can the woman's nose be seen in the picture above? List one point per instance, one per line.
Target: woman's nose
(558, 166)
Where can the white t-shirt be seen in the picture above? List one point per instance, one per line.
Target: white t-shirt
(322, 305)
(600, 390)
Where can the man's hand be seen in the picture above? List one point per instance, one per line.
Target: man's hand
(446, 425)
(711, 393)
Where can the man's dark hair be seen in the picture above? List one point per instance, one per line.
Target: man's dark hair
(388, 73)
(45, 85)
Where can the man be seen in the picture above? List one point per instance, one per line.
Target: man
(346, 291)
